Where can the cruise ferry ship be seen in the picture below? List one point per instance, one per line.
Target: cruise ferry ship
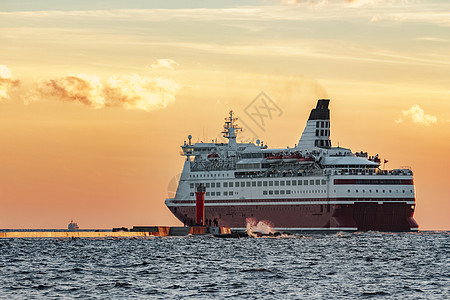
(312, 186)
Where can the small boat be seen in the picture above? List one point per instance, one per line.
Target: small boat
(291, 158)
(275, 159)
(306, 160)
(73, 226)
(213, 156)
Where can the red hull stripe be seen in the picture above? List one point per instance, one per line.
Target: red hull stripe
(270, 202)
(374, 181)
(294, 200)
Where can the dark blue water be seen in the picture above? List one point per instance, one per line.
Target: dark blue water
(321, 266)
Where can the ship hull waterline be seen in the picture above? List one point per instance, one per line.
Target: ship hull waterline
(393, 216)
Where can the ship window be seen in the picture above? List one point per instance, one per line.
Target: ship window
(242, 184)
(311, 182)
(264, 192)
(364, 191)
(282, 192)
(348, 191)
(294, 182)
(277, 183)
(322, 124)
(225, 184)
(288, 191)
(192, 194)
(191, 185)
(264, 183)
(356, 190)
(324, 181)
(317, 124)
(281, 182)
(317, 134)
(207, 184)
(217, 193)
(230, 193)
(403, 191)
(370, 191)
(225, 193)
(277, 192)
(270, 183)
(207, 193)
(247, 184)
(218, 185)
(259, 183)
(390, 191)
(213, 184)
(317, 181)
(270, 192)
(236, 184)
(253, 183)
(305, 182)
(300, 182)
(288, 182)
(213, 193)
(230, 184)
(321, 133)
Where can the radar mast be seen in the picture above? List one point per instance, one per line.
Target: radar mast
(230, 128)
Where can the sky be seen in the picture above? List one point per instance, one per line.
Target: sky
(96, 97)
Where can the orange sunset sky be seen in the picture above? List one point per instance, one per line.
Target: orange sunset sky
(97, 96)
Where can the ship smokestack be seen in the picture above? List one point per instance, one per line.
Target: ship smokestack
(317, 130)
(200, 205)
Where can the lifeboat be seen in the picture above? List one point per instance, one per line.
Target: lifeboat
(291, 158)
(213, 156)
(275, 159)
(306, 160)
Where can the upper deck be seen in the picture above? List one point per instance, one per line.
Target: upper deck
(312, 156)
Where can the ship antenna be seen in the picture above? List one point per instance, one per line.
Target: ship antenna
(230, 128)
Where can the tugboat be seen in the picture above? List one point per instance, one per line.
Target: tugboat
(312, 186)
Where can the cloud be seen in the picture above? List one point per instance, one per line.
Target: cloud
(6, 82)
(164, 63)
(349, 2)
(381, 11)
(128, 91)
(416, 114)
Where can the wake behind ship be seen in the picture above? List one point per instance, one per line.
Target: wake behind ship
(312, 186)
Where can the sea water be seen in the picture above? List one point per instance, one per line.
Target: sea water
(362, 265)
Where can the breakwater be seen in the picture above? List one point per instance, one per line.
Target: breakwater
(136, 231)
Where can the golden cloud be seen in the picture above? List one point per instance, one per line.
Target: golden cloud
(164, 63)
(416, 114)
(6, 82)
(129, 91)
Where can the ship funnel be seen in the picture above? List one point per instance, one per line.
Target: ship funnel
(317, 130)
